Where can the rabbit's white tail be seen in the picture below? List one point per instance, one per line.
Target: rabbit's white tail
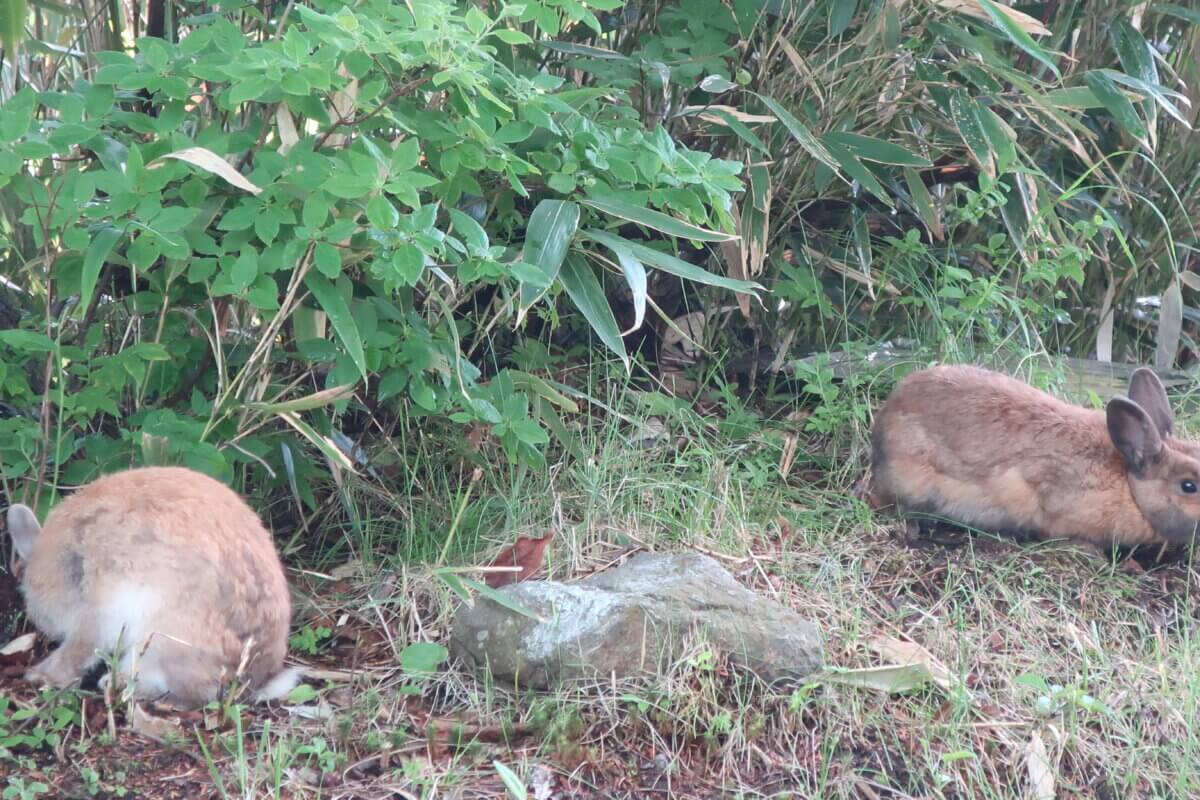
(278, 687)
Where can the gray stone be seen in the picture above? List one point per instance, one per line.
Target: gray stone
(629, 620)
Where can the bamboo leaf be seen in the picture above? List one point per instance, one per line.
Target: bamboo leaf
(584, 289)
(98, 251)
(635, 276)
(857, 170)
(1115, 102)
(966, 119)
(308, 402)
(12, 27)
(1018, 35)
(209, 161)
(335, 307)
(1170, 326)
(663, 223)
(551, 227)
(923, 201)
(738, 127)
(877, 150)
(671, 264)
(803, 136)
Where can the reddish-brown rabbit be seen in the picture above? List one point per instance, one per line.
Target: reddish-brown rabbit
(166, 567)
(987, 451)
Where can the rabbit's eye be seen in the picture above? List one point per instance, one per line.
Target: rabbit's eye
(1189, 487)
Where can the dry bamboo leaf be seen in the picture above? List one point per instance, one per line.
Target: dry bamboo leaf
(342, 104)
(740, 116)
(735, 255)
(21, 644)
(157, 729)
(288, 135)
(800, 66)
(1041, 772)
(209, 161)
(1170, 326)
(1190, 280)
(1104, 336)
(911, 653)
(849, 272)
(972, 8)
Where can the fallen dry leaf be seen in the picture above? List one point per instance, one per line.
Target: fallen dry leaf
(1041, 772)
(155, 728)
(911, 653)
(209, 161)
(526, 553)
(21, 644)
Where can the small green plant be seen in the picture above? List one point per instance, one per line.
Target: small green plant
(18, 789)
(310, 640)
(1055, 698)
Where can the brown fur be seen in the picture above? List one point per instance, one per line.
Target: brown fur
(166, 564)
(985, 450)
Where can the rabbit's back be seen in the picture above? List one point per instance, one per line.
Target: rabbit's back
(163, 551)
(989, 451)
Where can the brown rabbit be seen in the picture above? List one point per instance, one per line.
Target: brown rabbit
(166, 567)
(984, 450)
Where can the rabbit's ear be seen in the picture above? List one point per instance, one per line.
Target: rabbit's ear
(1148, 391)
(23, 527)
(1133, 433)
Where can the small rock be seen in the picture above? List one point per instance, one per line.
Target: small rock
(627, 619)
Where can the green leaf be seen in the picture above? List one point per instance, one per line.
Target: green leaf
(93, 260)
(499, 598)
(547, 238)
(516, 786)
(12, 27)
(923, 201)
(857, 170)
(423, 657)
(1001, 144)
(584, 289)
(1115, 102)
(328, 260)
(16, 113)
(1134, 51)
(509, 36)
(740, 128)
(659, 221)
(470, 230)
(29, 341)
(335, 307)
(584, 51)
(1177, 11)
(877, 150)
(1017, 35)
(669, 263)
(635, 276)
(803, 136)
(966, 119)
(1153, 90)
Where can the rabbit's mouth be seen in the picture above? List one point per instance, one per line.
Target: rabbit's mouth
(1173, 524)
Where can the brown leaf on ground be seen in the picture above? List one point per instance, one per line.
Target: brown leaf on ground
(526, 553)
